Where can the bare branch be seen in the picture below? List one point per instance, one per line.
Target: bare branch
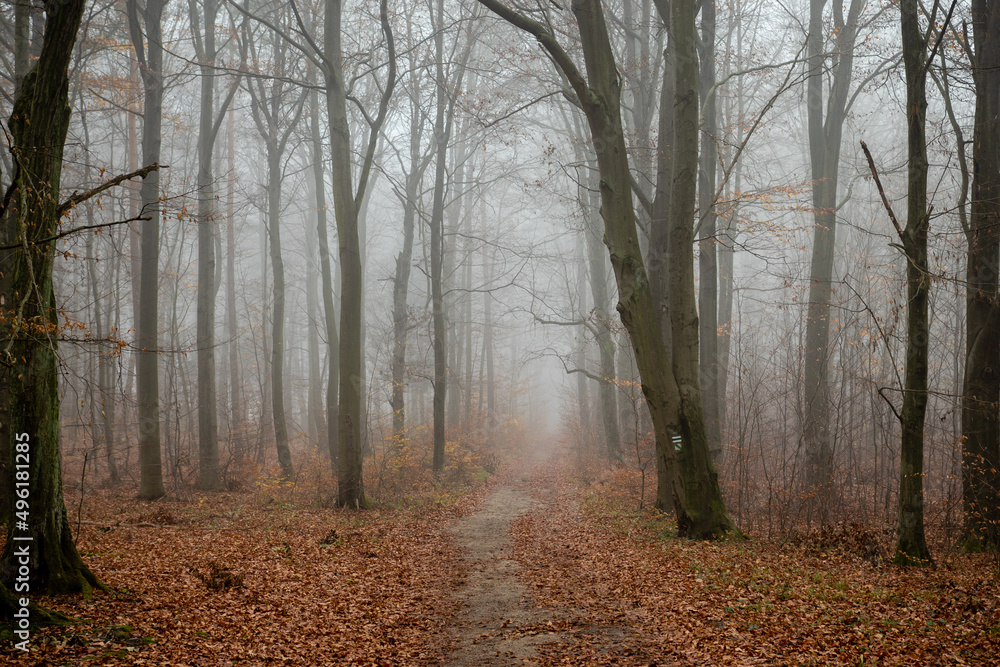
(79, 197)
(881, 191)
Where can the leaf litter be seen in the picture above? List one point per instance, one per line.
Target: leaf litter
(574, 574)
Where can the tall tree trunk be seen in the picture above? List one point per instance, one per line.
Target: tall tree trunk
(708, 285)
(134, 228)
(488, 347)
(401, 283)
(235, 390)
(104, 374)
(208, 428)
(275, 119)
(437, 247)
(278, 318)
(150, 59)
(453, 305)
(981, 390)
(265, 427)
(824, 151)
(607, 390)
(582, 393)
(911, 545)
(326, 276)
(703, 507)
(727, 246)
(105, 377)
(467, 345)
(350, 492)
(38, 125)
(588, 195)
(314, 390)
(659, 228)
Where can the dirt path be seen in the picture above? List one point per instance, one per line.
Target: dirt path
(500, 623)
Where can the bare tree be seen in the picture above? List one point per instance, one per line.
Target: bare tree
(150, 58)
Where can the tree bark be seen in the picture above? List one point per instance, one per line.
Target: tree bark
(708, 285)
(981, 389)
(38, 126)
(824, 149)
(350, 492)
(208, 428)
(150, 59)
(911, 545)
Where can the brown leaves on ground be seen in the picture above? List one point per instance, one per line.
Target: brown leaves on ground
(241, 579)
(744, 603)
(226, 583)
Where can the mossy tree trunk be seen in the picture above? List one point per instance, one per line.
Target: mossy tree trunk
(30, 211)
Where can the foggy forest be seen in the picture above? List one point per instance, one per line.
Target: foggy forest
(472, 332)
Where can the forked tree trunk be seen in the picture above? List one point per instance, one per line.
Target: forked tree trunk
(350, 492)
(675, 409)
(824, 151)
